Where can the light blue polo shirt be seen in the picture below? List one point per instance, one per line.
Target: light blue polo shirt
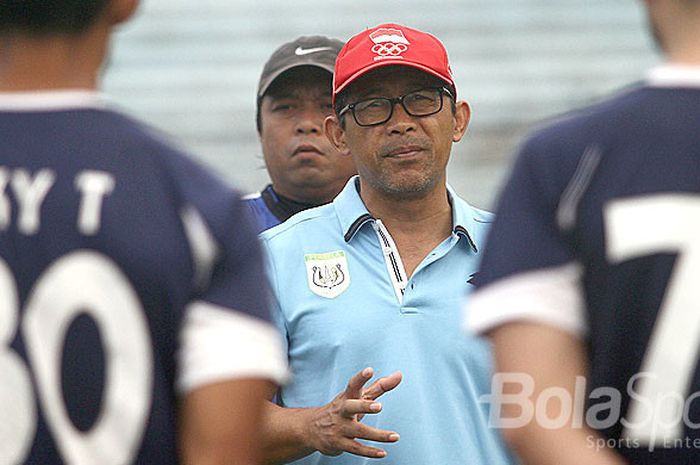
(342, 308)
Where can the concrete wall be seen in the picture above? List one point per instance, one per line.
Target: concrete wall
(191, 68)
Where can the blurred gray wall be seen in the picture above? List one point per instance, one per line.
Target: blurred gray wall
(190, 68)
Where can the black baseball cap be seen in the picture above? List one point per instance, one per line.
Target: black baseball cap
(319, 51)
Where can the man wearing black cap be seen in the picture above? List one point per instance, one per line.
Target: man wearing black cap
(294, 97)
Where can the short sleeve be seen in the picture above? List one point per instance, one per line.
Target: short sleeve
(529, 269)
(226, 330)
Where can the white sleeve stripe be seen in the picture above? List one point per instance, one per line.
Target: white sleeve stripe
(568, 206)
(552, 296)
(217, 344)
(203, 245)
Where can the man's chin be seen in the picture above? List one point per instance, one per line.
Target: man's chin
(407, 186)
(311, 179)
(309, 158)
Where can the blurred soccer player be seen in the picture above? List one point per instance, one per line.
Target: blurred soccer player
(591, 271)
(294, 97)
(131, 309)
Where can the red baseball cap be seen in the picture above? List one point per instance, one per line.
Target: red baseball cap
(390, 44)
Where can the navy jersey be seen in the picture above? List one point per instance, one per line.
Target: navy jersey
(597, 232)
(270, 208)
(262, 207)
(108, 238)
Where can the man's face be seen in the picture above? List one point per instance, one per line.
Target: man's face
(406, 156)
(301, 161)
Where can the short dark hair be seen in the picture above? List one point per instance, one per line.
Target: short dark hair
(48, 17)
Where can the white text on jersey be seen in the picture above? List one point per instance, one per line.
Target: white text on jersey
(30, 192)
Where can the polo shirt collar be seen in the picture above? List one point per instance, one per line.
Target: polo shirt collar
(353, 214)
(462, 218)
(350, 209)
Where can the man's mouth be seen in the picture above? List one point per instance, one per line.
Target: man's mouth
(404, 151)
(306, 149)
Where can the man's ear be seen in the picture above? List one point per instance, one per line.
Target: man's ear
(336, 134)
(461, 118)
(121, 10)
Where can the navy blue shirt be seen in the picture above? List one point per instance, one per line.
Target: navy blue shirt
(610, 197)
(103, 233)
(270, 208)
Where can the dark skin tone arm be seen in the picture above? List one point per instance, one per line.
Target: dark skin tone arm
(293, 433)
(220, 423)
(553, 358)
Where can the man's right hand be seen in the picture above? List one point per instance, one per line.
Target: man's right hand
(335, 427)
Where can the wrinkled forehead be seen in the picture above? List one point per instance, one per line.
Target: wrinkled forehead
(392, 80)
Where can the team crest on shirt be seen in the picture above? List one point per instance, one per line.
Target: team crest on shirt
(388, 43)
(327, 273)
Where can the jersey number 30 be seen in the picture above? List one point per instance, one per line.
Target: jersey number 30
(80, 282)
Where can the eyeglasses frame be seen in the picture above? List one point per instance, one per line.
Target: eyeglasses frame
(393, 101)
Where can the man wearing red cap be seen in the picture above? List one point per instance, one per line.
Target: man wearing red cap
(377, 278)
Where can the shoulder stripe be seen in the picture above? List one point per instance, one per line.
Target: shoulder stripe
(566, 211)
(205, 250)
(252, 196)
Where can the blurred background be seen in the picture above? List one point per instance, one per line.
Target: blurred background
(190, 69)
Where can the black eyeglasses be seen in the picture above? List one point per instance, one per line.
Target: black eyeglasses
(378, 110)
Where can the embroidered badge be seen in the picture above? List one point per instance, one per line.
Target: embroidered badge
(327, 273)
(388, 43)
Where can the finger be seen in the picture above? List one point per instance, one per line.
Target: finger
(382, 385)
(352, 407)
(356, 448)
(362, 431)
(354, 388)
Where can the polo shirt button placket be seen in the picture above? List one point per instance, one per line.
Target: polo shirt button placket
(392, 259)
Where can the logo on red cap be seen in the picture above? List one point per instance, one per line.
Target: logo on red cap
(388, 43)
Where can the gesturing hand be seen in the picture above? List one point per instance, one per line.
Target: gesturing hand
(335, 427)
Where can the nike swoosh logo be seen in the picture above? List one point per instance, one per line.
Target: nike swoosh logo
(306, 51)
